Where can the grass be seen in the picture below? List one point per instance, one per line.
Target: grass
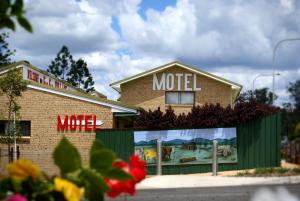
(259, 172)
(297, 170)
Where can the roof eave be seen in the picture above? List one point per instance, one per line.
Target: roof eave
(163, 67)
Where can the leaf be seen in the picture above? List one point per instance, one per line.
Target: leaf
(118, 174)
(17, 8)
(3, 7)
(94, 185)
(24, 23)
(102, 160)
(7, 22)
(66, 157)
(97, 146)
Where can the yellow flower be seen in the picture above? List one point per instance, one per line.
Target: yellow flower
(21, 169)
(70, 190)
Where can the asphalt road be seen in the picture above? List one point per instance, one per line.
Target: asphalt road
(235, 193)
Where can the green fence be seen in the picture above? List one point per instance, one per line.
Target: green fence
(258, 145)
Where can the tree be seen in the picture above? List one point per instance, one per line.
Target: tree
(263, 96)
(292, 113)
(10, 9)
(294, 89)
(60, 66)
(12, 86)
(5, 52)
(80, 76)
(75, 73)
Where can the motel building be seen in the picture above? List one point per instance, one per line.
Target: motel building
(51, 107)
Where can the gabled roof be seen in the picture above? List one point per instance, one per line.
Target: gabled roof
(78, 94)
(235, 86)
(118, 106)
(28, 64)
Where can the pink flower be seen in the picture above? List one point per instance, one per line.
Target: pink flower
(16, 197)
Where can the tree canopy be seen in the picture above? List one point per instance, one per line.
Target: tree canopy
(294, 89)
(12, 86)
(5, 52)
(291, 111)
(74, 72)
(262, 96)
(62, 63)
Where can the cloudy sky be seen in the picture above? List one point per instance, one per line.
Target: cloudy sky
(233, 38)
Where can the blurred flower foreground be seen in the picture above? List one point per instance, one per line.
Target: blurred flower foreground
(24, 181)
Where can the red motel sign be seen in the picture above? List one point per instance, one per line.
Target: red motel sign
(77, 123)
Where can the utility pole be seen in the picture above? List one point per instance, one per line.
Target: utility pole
(274, 54)
(15, 139)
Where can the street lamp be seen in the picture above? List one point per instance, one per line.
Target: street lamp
(274, 54)
(261, 75)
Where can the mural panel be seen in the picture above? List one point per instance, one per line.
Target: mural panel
(188, 146)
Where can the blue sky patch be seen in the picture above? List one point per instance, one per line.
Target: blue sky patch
(158, 5)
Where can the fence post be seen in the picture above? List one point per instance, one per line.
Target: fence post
(215, 158)
(18, 152)
(10, 154)
(158, 157)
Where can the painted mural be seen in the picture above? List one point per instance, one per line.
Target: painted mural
(188, 146)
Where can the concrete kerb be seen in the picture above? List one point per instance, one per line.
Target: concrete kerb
(192, 181)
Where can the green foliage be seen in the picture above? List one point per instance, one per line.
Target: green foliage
(291, 111)
(297, 170)
(102, 160)
(74, 72)
(294, 89)
(13, 9)
(94, 180)
(264, 170)
(243, 173)
(94, 184)
(117, 173)
(12, 86)
(281, 170)
(66, 157)
(5, 52)
(97, 146)
(80, 76)
(60, 66)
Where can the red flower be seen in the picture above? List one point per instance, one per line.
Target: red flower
(137, 169)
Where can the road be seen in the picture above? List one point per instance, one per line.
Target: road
(236, 193)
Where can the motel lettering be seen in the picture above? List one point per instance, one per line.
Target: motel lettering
(167, 82)
(77, 123)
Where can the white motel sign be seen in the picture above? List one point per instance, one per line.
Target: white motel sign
(167, 82)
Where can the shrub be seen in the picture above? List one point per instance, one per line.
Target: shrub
(206, 116)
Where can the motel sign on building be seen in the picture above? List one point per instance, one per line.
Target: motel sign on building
(51, 107)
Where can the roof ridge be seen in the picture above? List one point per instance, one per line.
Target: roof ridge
(169, 64)
(83, 95)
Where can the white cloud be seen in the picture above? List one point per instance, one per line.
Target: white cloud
(233, 39)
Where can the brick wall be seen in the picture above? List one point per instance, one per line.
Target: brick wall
(139, 92)
(42, 108)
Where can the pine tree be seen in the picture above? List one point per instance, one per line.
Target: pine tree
(5, 52)
(80, 76)
(61, 64)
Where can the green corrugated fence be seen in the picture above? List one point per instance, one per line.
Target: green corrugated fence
(258, 145)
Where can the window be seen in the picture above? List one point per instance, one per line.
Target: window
(24, 128)
(180, 97)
